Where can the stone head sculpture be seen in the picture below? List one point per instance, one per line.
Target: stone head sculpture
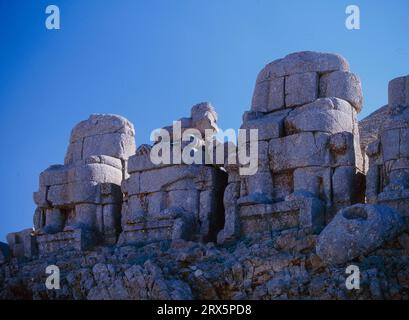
(83, 196)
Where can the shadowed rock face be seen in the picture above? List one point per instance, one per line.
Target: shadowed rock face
(122, 227)
(4, 253)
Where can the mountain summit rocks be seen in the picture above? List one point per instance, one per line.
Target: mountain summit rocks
(122, 227)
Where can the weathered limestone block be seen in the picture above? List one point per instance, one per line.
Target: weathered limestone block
(174, 224)
(136, 208)
(4, 253)
(390, 144)
(117, 145)
(86, 215)
(22, 244)
(268, 95)
(394, 143)
(343, 150)
(39, 218)
(192, 189)
(283, 184)
(101, 134)
(99, 124)
(110, 193)
(293, 80)
(302, 62)
(72, 193)
(58, 175)
(151, 181)
(101, 173)
(344, 185)
(301, 88)
(40, 197)
(343, 85)
(189, 200)
(54, 220)
(315, 180)
(305, 213)
(141, 161)
(320, 115)
(313, 142)
(85, 193)
(70, 238)
(398, 92)
(257, 188)
(269, 126)
(357, 230)
(299, 150)
(55, 174)
(103, 159)
(388, 175)
(166, 201)
(312, 211)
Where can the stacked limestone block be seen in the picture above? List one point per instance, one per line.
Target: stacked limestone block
(79, 203)
(310, 164)
(176, 200)
(22, 243)
(388, 174)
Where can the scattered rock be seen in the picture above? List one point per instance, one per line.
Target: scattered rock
(357, 230)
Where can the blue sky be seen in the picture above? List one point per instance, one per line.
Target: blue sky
(150, 61)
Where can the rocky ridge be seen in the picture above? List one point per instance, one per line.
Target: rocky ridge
(326, 195)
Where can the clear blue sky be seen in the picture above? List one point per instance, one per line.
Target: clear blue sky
(150, 61)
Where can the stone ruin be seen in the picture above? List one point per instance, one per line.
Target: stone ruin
(387, 179)
(174, 201)
(313, 187)
(79, 203)
(310, 164)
